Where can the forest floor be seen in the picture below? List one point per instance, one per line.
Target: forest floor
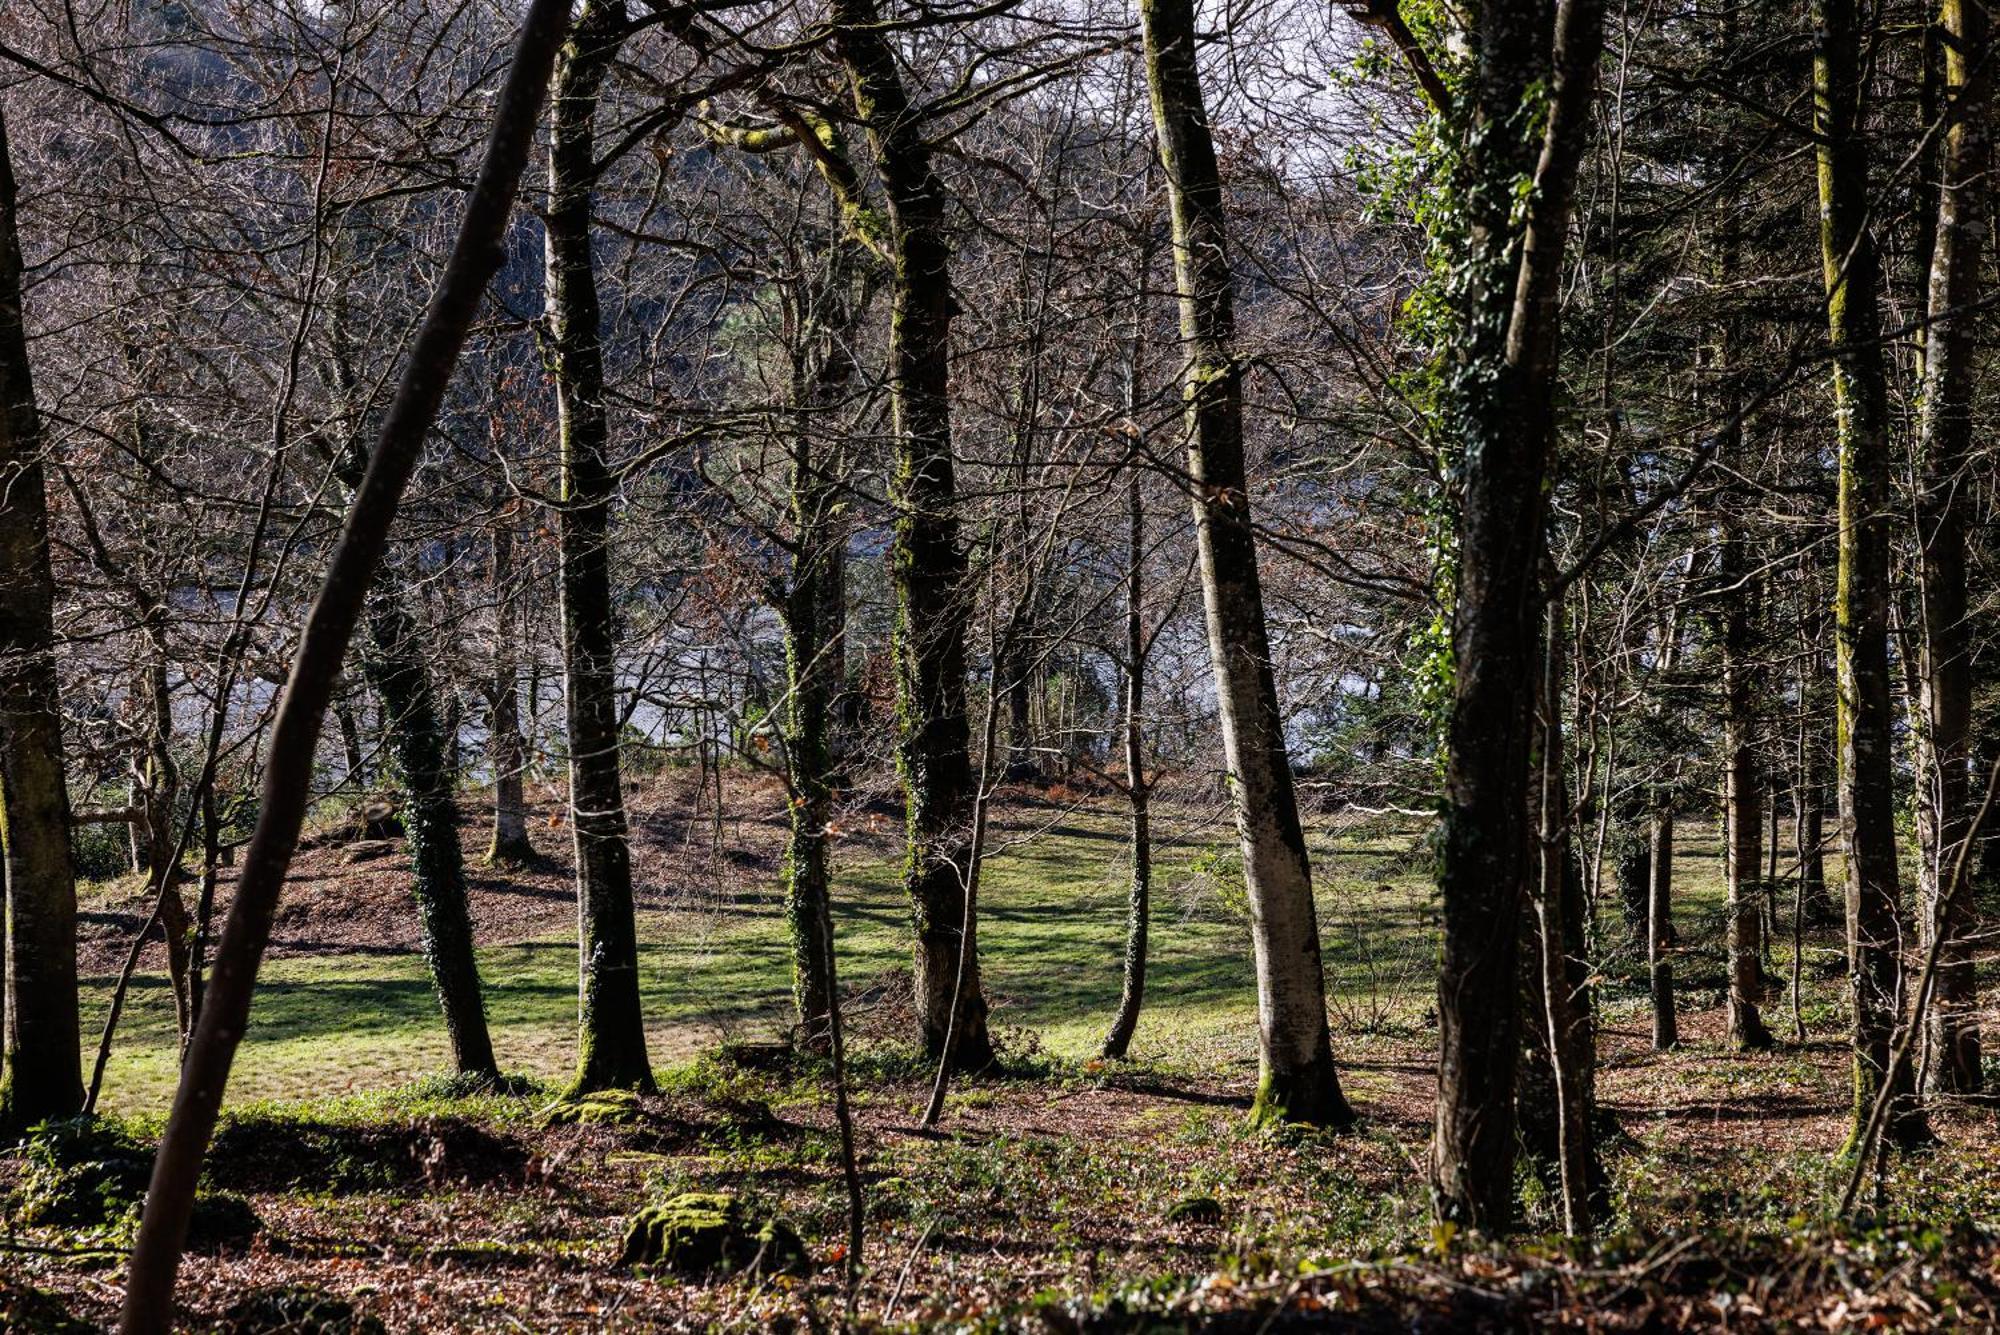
(1059, 1192)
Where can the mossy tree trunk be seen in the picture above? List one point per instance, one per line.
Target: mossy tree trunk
(927, 563)
(417, 733)
(1944, 790)
(43, 1074)
(813, 604)
(394, 665)
(1861, 602)
(1296, 1080)
(612, 1036)
(1502, 383)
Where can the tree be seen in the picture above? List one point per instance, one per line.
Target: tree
(148, 1308)
(43, 1061)
(926, 561)
(1501, 425)
(1296, 1078)
(1950, 366)
(1861, 602)
(611, 1040)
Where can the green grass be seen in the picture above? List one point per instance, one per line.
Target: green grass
(1051, 941)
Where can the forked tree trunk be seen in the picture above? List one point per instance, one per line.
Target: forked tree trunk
(43, 1074)
(611, 1039)
(927, 564)
(148, 1308)
(1950, 372)
(1861, 631)
(1297, 1080)
(1556, 1095)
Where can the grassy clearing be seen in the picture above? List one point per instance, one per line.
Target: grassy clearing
(1051, 937)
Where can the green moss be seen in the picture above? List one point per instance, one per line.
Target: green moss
(699, 1233)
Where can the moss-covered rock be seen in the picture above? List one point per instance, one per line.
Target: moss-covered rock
(296, 1310)
(604, 1107)
(700, 1233)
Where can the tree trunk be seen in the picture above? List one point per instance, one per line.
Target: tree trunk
(1139, 896)
(418, 733)
(611, 1042)
(1660, 931)
(814, 617)
(1297, 1080)
(1504, 383)
(1951, 356)
(1743, 803)
(394, 665)
(927, 564)
(509, 750)
(1861, 603)
(1556, 1095)
(44, 1060)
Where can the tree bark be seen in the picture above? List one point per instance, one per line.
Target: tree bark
(394, 665)
(508, 749)
(813, 611)
(1861, 603)
(1555, 1098)
(148, 1308)
(1743, 804)
(1944, 438)
(43, 1053)
(1660, 931)
(927, 563)
(1504, 371)
(1297, 1080)
(1139, 894)
(611, 1041)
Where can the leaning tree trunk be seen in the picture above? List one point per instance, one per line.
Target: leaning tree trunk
(927, 564)
(148, 1308)
(1297, 1080)
(1861, 604)
(43, 1057)
(611, 1040)
(1950, 372)
(509, 751)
